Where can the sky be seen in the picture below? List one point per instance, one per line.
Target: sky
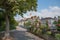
(45, 8)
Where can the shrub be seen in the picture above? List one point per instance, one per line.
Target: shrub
(43, 28)
(48, 32)
(13, 25)
(57, 36)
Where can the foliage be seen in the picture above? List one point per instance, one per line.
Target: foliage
(37, 30)
(48, 32)
(2, 22)
(58, 27)
(28, 23)
(57, 36)
(13, 7)
(42, 27)
(13, 24)
(9, 8)
(57, 23)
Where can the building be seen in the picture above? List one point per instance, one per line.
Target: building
(49, 21)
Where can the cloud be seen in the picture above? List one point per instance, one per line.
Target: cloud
(50, 12)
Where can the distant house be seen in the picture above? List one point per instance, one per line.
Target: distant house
(49, 21)
(21, 22)
(25, 20)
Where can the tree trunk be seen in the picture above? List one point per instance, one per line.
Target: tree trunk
(7, 26)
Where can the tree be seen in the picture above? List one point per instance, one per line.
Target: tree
(12, 23)
(12, 7)
(57, 23)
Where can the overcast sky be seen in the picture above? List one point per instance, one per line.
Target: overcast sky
(45, 8)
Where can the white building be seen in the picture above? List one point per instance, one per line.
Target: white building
(50, 21)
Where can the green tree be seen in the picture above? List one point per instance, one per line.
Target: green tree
(28, 23)
(12, 7)
(57, 23)
(12, 23)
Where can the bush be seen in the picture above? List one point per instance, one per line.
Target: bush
(43, 28)
(2, 28)
(48, 32)
(12, 22)
(58, 28)
(27, 23)
(57, 36)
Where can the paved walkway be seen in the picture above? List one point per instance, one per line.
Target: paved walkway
(22, 34)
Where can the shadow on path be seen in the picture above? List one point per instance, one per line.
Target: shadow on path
(21, 35)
